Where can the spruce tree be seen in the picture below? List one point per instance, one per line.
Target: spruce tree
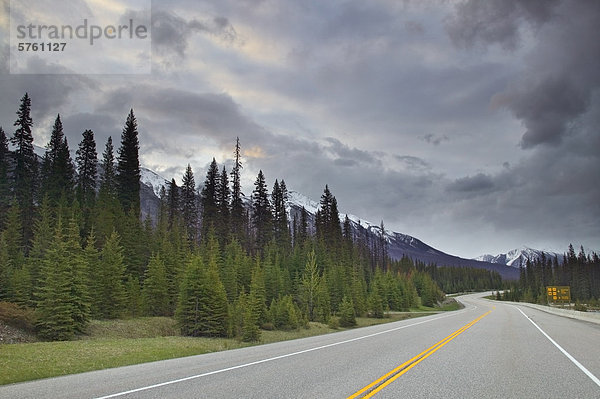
(128, 167)
(43, 234)
(5, 270)
(173, 203)
(108, 183)
(224, 196)
(234, 261)
(87, 169)
(57, 167)
(346, 313)
(189, 208)
(79, 272)
(279, 198)
(209, 199)
(309, 285)
(108, 209)
(262, 218)
(238, 220)
(155, 292)
(25, 169)
(202, 306)
(109, 298)
(302, 228)
(4, 183)
(55, 306)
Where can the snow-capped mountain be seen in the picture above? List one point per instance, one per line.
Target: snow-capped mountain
(153, 180)
(517, 256)
(399, 244)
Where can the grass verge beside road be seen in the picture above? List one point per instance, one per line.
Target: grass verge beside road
(118, 343)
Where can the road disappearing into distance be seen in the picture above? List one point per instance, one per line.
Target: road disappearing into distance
(486, 350)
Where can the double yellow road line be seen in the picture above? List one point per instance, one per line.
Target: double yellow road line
(390, 377)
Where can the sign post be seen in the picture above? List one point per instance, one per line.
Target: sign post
(559, 294)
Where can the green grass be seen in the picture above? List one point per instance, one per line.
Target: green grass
(24, 362)
(118, 343)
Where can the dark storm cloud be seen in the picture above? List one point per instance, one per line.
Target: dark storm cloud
(413, 163)
(205, 114)
(472, 184)
(496, 21)
(103, 126)
(346, 155)
(562, 70)
(49, 94)
(171, 33)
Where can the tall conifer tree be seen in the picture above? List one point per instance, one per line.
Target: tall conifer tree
(224, 196)
(57, 167)
(189, 208)
(87, 168)
(4, 184)
(128, 167)
(209, 199)
(262, 217)
(173, 206)
(25, 170)
(238, 219)
(108, 208)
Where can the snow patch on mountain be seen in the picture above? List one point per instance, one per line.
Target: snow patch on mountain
(153, 179)
(517, 256)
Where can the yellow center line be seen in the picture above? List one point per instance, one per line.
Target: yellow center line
(390, 377)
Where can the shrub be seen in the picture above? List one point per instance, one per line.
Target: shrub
(17, 316)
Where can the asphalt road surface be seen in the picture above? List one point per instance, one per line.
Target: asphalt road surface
(486, 350)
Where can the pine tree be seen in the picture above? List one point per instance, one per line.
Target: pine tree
(79, 273)
(4, 183)
(57, 168)
(347, 317)
(155, 292)
(302, 228)
(173, 203)
(327, 220)
(202, 307)
(256, 310)
(108, 183)
(189, 208)
(128, 167)
(135, 244)
(42, 238)
(109, 298)
(13, 236)
(375, 302)
(309, 285)
(234, 260)
(5, 270)
(262, 217)
(87, 169)
(25, 169)
(281, 230)
(224, 196)
(55, 307)
(108, 209)
(238, 220)
(347, 233)
(209, 199)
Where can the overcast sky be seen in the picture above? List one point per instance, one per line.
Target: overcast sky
(471, 125)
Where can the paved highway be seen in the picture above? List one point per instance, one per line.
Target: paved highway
(487, 350)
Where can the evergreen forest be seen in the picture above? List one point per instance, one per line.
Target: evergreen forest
(74, 246)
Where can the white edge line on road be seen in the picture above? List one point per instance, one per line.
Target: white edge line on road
(560, 348)
(115, 395)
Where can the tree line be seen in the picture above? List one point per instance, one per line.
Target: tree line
(73, 246)
(579, 271)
